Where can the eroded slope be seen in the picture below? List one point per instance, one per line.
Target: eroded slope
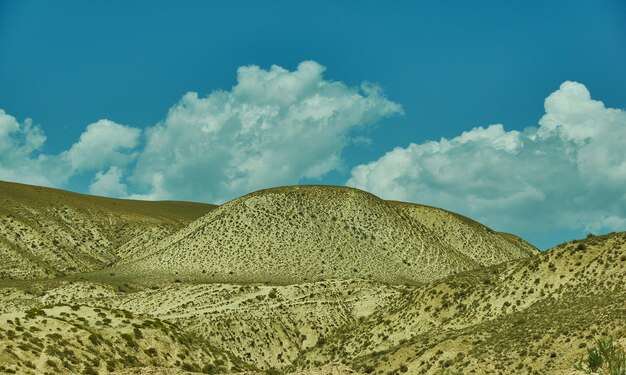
(265, 326)
(480, 243)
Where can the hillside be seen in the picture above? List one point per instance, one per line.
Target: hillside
(536, 315)
(263, 326)
(48, 232)
(302, 280)
(478, 242)
(266, 325)
(80, 339)
(310, 233)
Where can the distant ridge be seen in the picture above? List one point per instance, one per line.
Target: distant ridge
(308, 233)
(47, 232)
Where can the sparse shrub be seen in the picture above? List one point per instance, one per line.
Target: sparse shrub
(191, 367)
(129, 340)
(32, 313)
(131, 361)
(94, 340)
(552, 266)
(111, 365)
(138, 334)
(320, 342)
(272, 293)
(209, 368)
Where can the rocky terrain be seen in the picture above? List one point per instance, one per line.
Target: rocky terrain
(359, 286)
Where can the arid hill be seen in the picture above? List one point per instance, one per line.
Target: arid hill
(536, 315)
(47, 232)
(296, 280)
(300, 234)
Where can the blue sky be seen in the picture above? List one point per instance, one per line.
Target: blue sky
(440, 68)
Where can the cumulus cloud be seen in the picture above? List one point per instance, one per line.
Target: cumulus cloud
(103, 143)
(20, 156)
(277, 127)
(274, 127)
(567, 173)
(109, 183)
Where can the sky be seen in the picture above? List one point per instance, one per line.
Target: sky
(511, 113)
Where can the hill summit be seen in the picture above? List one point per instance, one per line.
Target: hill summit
(300, 234)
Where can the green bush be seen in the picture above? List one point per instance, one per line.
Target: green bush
(603, 358)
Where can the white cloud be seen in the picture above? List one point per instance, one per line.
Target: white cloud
(568, 173)
(108, 184)
(19, 146)
(157, 192)
(277, 127)
(103, 143)
(274, 127)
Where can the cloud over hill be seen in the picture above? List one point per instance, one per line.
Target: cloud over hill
(279, 127)
(567, 173)
(274, 127)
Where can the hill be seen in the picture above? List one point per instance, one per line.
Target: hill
(537, 315)
(47, 232)
(310, 233)
(91, 340)
(306, 280)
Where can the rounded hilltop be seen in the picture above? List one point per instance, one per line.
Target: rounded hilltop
(295, 234)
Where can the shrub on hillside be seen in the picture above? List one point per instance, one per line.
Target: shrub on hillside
(604, 358)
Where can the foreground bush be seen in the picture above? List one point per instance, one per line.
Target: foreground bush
(604, 358)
